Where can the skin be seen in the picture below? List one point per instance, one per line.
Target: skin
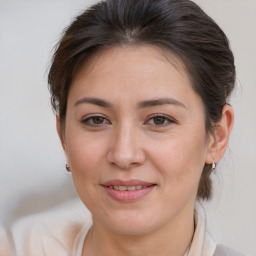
(129, 142)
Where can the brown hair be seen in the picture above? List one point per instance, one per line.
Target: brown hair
(180, 26)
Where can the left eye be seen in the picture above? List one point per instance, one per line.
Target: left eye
(160, 121)
(95, 121)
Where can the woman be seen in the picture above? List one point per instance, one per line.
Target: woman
(140, 89)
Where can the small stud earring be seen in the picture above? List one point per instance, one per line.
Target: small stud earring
(213, 165)
(68, 168)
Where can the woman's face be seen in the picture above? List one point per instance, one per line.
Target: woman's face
(135, 139)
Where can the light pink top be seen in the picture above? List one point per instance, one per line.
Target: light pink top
(62, 230)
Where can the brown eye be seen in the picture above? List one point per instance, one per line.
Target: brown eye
(98, 120)
(95, 121)
(159, 120)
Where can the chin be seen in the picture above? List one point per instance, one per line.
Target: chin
(135, 223)
(131, 229)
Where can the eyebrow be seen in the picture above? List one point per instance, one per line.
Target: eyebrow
(157, 102)
(142, 104)
(94, 101)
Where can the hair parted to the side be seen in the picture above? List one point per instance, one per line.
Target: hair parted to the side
(180, 26)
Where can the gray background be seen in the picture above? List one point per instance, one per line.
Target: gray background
(32, 170)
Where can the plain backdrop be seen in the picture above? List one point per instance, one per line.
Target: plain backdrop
(32, 165)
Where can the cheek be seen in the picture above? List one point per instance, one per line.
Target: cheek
(180, 160)
(85, 156)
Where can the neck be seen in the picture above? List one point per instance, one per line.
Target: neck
(173, 238)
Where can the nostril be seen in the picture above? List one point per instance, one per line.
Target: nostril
(125, 166)
(126, 158)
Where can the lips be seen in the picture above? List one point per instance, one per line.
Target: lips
(127, 183)
(129, 190)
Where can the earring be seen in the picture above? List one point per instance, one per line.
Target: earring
(213, 165)
(68, 168)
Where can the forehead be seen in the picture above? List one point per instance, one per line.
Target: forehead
(153, 54)
(137, 72)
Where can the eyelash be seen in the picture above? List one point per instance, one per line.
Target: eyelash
(165, 119)
(87, 120)
(90, 118)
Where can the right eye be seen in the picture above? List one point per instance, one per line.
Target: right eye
(95, 121)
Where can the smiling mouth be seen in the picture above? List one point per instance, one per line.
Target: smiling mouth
(128, 191)
(130, 188)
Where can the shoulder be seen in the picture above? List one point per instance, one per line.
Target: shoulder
(53, 232)
(222, 250)
(5, 248)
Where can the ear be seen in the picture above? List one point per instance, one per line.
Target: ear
(219, 139)
(60, 133)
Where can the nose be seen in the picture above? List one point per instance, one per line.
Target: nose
(126, 149)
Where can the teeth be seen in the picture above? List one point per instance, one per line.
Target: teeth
(131, 188)
(124, 188)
